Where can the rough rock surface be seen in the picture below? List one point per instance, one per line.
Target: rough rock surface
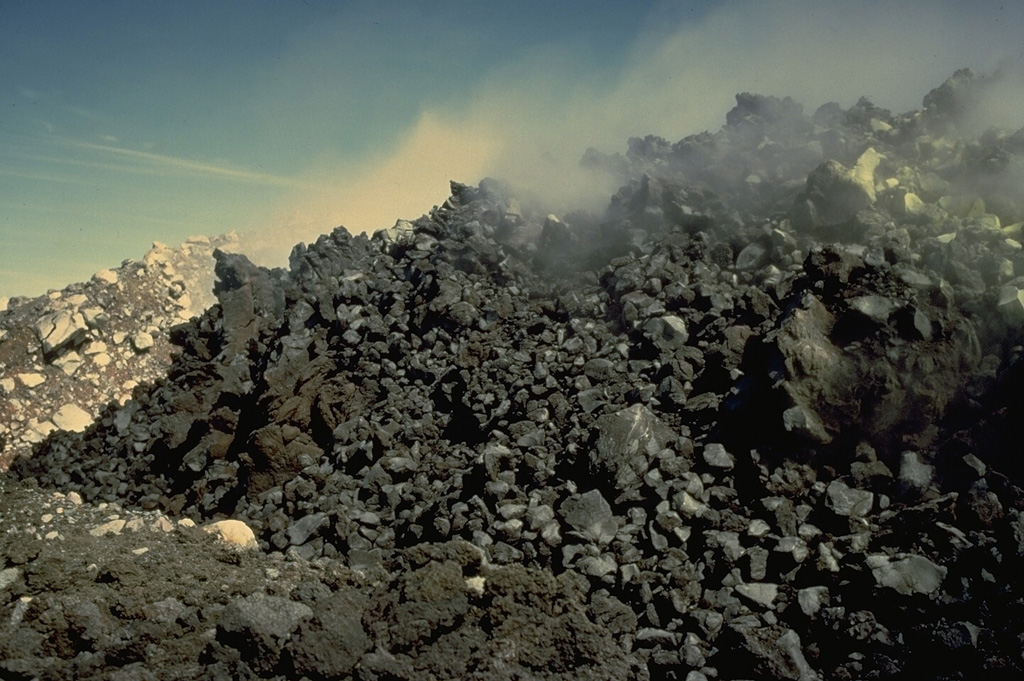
(758, 420)
(66, 355)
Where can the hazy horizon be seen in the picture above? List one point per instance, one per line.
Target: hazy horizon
(131, 122)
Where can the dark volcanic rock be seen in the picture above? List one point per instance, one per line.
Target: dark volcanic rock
(591, 516)
(759, 419)
(331, 644)
(259, 626)
(627, 442)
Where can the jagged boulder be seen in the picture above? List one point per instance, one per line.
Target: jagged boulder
(834, 194)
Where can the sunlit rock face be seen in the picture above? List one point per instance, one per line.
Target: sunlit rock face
(66, 355)
(760, 412)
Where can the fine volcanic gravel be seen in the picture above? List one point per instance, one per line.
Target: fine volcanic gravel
(758, 420)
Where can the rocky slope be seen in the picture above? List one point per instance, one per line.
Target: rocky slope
(759, 420)
(65, 355)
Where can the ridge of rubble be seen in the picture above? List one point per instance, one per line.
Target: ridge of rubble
(67, 354)
(760, 419)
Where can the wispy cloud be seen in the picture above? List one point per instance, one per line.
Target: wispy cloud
(85, 113)
(92, 215)
(113, 164)
(150, 163)
(44, 177)
(56, 101)
(153, 163)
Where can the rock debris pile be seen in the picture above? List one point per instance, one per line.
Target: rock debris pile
(760, 420)
(65, 355)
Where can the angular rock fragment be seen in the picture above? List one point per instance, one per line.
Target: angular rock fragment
(907, 575)
(60, 329)
(1011, 304)
(259, 626)
(332, 643)
(812, 599)
(847, 501)
(873, 307)
(599, 369)
(591, 517)
(627, 442)
(110, 527)
(915, 475)
(800, 420)
(835, 193)
(820, 376)
(72, 417)
(775, 652)
(300, 532)
(106, 276)
(792, 647)
(751, 257)
(31, 379)
(597, 566)
(69, 362)
(142, 341)
(716, 456)
(667, 332)
(761, 593)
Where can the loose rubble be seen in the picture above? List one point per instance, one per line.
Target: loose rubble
(65, 355)
(759, 420)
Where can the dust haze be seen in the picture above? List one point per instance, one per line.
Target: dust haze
(530, 121)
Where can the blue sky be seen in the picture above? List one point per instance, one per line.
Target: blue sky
(127, 122)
